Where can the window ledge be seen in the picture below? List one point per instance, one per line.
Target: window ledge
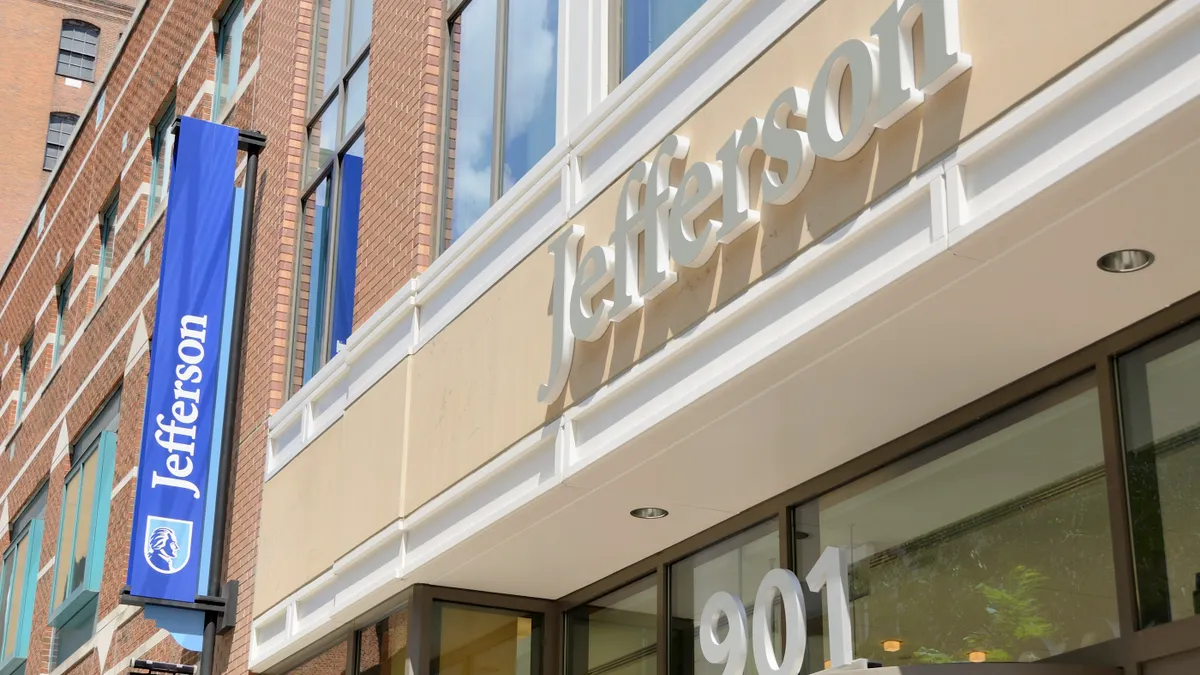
(11, 664)
(75, 658)
(69, 607)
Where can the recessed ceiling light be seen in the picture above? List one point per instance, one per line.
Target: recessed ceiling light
(1125, 260)
(648, 513)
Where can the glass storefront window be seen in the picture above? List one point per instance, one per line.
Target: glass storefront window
(1160, 421)
(735, 565)
(484, 641)
(616, 634)
(993, 545)
(332, 661)
(383, 648)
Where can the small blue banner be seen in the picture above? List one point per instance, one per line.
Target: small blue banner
(167, 549)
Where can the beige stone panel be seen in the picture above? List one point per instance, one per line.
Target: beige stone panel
(465, 412)
(473, 384)
(342, 489)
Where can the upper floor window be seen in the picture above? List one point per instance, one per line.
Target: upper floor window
(108, 220)
(229, 56)
(18, 583)
(83, 532)
(644, 25)
(57, 135)
(161, 145)
(327, 255)
(495, 128)
(62, 297)
(26, 357)
(77, 50)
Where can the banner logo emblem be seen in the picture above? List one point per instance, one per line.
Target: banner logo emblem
(168, 544)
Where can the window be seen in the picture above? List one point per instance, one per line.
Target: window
(83, 532)
(26, 358)
(108, 221)
(736, 566)
(323, 301)
(18, 583)
(616, 633)
(994, 545)
(161, 156)
(1160, 421)
(475, 640)
(495, 131)
(77, 50)
(62, 297)
(229, 56)
(57, 135)
(644, 25)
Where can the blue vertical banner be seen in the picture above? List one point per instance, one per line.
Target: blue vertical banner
(179, 438)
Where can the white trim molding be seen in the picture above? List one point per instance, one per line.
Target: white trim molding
(1140, 78)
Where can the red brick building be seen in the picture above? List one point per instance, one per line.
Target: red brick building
(77, 293)
(52, 54)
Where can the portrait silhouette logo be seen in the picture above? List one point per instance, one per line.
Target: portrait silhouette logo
(168, 544)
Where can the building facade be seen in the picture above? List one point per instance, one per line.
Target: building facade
(51, 56)
(774, 334)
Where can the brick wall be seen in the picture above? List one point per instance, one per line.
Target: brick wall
(396, 223)
(169, 54)
(29, 37)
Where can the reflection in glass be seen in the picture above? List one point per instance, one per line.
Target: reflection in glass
(531, 83)
(470, 112)
(314, 278)
(737, 566)
(347, 248)
(383, 648)
(322, 140)
(1160, 418)
(330, 662)
(995, 541)
(83, 530)
(328, 48)
(229, 57)
(15, 575)
(616, 634)
(360, 24)
(483, 641)
(647, 24)
(356, 97)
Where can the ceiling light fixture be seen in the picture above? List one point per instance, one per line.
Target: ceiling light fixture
(891, 645)
(648, 513)
(977, 657)
(1125, 260)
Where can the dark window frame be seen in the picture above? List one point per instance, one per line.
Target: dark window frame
(57, 138)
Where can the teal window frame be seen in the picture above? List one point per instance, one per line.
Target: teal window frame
(229, 38)
(161, 146)
(78, 597)
(29, 527)
(108, 220)
(26, 357)
(62, 301)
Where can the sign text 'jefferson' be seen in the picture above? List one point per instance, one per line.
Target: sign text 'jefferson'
(666, 220)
